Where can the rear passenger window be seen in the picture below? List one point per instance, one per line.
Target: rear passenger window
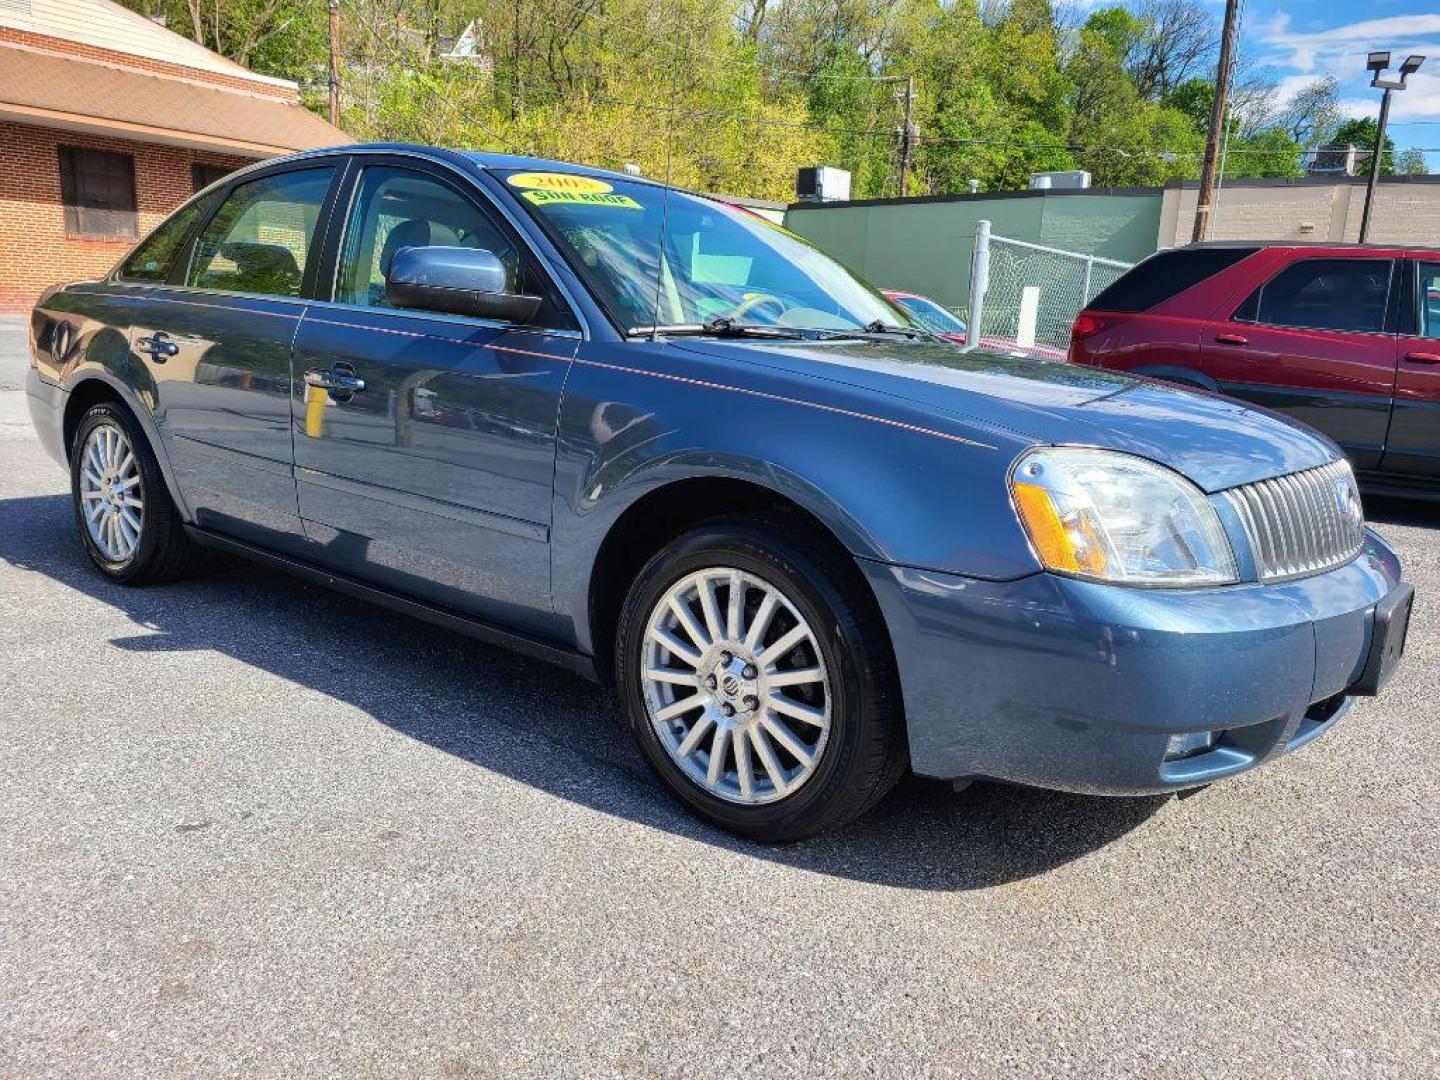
(1166, 274)
(151, 261)
(259, 239)
(1323, 294)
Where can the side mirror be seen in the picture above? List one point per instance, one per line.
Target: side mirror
(456, 280)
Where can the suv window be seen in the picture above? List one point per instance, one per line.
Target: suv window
(1429, 296)
(152, 260)
(259, 239)
(1166, 274)
(397, 208)
(1323, 294)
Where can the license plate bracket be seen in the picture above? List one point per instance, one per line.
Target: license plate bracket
(1387, 640)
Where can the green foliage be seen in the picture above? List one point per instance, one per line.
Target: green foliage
(1361, 131)
(735, 95)
(1411, 162)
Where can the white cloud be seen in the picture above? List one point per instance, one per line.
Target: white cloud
(1340, 51)
(1336, 46)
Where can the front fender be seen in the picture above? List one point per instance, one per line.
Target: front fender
(902, 487)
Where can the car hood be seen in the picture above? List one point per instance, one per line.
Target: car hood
(1216, 442)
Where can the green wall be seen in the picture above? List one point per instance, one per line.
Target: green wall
(925, 245)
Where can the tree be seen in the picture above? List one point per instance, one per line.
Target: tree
(1178, 40)
(1411, 162)
(286, 38)
(1271, 152)
(1313, 114)
(1361, 132)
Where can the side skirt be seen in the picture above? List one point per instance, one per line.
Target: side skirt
(450, 620)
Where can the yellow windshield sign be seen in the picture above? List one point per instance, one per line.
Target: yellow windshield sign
(554, 181)
(585, 198)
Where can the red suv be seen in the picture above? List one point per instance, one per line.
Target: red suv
(1342, 336)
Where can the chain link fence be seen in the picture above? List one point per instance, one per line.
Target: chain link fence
(1025, 296)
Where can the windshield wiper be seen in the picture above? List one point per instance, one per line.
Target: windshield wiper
(876, 329)
(721, 327)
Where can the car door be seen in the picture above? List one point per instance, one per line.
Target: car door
(1314, 341)
(432, 474)
(1413, 447)
(215, 342)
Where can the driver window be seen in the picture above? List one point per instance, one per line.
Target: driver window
(397, 208)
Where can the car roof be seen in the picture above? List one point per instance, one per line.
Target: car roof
(1328, 245)
(483, 159)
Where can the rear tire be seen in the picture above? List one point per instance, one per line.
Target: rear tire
(127, 521)
(774, 744)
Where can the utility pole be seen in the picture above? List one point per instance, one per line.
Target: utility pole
(906, 135)
(1217, 123)
(335, 62)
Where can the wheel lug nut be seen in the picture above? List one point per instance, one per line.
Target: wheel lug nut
(750, 671)
(728, 709)
(726, 657)
(710, 682)
(752, 703)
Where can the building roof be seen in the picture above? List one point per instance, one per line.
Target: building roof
(45, 88)
(115, 28)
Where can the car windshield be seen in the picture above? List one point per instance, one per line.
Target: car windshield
(930, 315)
(721, 266)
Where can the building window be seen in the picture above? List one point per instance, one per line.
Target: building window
(97, 188)
(202, 175)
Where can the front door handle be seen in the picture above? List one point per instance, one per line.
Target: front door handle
(1231, 339)
(1423, 357)
(339, 379)
(158, 346)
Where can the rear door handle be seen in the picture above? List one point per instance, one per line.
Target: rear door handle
(1231, 339)
(1423, 357)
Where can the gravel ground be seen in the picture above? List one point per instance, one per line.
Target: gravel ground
(249, 827)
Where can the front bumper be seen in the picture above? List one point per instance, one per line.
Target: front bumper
(1079, 686)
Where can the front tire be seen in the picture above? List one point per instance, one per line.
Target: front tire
(757, 678)
(127, 521)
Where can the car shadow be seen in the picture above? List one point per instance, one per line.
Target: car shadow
(1386, 510)
(559, 733)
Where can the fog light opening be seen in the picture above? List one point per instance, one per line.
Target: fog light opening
(1190, 744)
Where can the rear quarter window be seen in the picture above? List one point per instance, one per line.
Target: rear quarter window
(1166, 274)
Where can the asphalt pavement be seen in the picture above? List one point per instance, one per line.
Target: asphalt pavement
(251, 827)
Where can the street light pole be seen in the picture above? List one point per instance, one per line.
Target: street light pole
(1375, 165)
(1376, 63)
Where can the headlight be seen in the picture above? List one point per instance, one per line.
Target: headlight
(1112, 517)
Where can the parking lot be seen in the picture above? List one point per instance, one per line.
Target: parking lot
(248, 826)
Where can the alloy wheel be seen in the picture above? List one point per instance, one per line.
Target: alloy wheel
(735, 686)
(112, 499)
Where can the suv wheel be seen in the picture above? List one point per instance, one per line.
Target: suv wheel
(757, 678)
(129, 524)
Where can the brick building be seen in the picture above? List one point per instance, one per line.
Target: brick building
(109, 121)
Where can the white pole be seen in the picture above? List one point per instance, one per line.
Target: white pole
(979, 282)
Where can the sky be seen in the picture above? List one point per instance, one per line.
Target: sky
(1300, 40)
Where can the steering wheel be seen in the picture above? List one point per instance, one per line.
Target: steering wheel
(750, 303)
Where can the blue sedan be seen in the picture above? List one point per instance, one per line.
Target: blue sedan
(665, 443)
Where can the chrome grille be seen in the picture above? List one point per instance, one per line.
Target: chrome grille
(1302, 523)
